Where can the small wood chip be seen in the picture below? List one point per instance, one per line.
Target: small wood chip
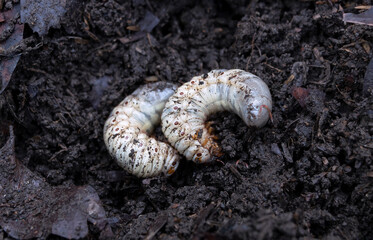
(366, 47)
(202, 216)
(132, 38)
(157, 225)
(235, 172)
(289, 80)
(151, 79)
(363, 7)
(286, 153)
(133, 28)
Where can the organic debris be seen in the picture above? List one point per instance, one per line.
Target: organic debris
(361, 18)
(31, 208)
(41, 15)
(98, 87)
(11, 34)
(146, 25)
(368, 80)
(300, 94)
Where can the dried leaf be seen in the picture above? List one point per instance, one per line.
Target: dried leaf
(148, 23)
(43, 14)
(300, 94)
(11, 35)
(365, 18)
(34, 209)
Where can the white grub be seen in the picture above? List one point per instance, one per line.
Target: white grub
(127, 130)
(185, 113)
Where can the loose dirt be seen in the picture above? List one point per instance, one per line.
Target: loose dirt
(307, 174)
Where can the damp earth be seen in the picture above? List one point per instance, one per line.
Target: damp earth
(307, 174)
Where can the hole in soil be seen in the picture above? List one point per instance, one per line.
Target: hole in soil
(27, 31)
(167, 28)
(299, 189)
(298, 154)
(318, 229)
(342, 155)
(344, 108)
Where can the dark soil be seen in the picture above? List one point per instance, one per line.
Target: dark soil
(307, 174)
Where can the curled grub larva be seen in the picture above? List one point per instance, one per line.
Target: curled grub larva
(126, 132)
(185, 113)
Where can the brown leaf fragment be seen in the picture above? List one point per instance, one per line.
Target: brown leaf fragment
(300, 94)
(34, 209)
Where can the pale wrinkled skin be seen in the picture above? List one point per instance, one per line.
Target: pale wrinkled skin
(126, 132)
(185, 113)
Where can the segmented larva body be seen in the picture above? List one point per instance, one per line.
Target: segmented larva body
(185, 113)
(126, 132)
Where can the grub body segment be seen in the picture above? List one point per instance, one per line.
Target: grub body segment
(126, 132)
(186, 111)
